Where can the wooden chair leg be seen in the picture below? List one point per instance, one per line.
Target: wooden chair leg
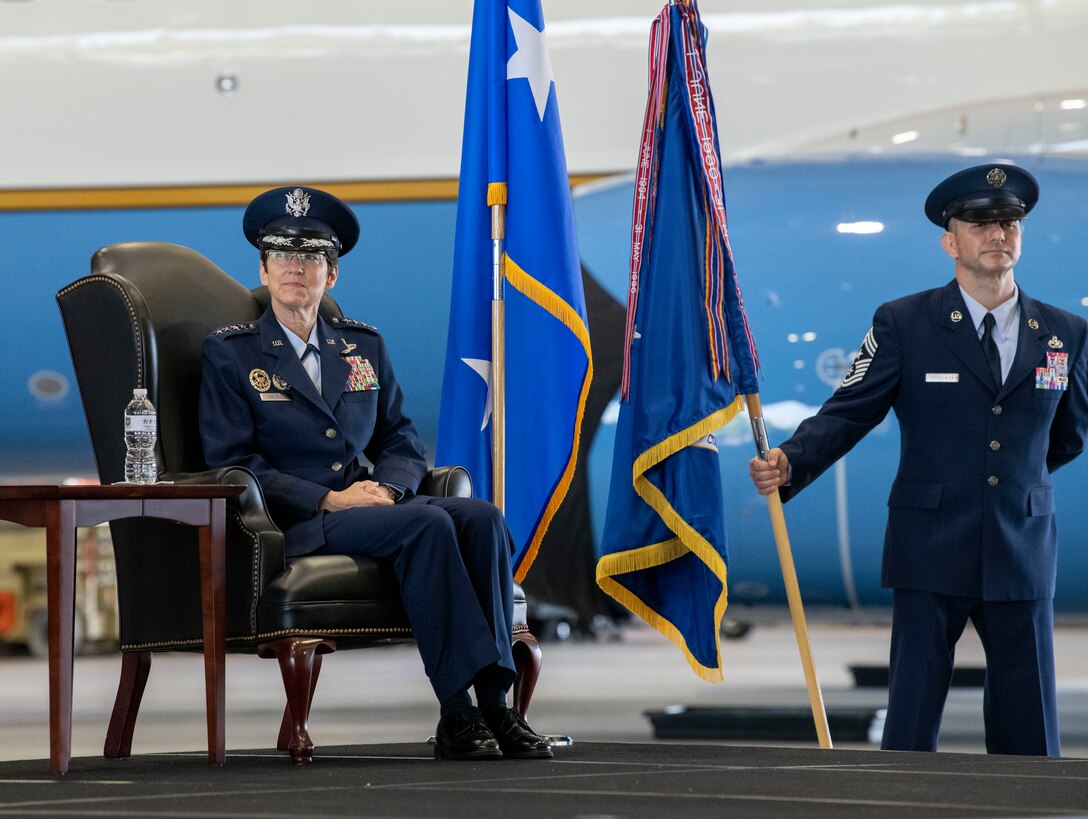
(527, 662)
(283, 742)
(135, 666)
(297, 658)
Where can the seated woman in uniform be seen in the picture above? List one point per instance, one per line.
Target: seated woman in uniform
(304, 405)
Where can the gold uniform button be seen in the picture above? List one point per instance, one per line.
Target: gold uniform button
(330, 433)
(995, 445)
(992, 480)
(997, 410)
(336, 467)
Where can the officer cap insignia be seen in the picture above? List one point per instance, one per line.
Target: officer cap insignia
(1055, 343)
(996, 177)
(278, 383)
(956, 315)
(259, 379)
(1033, 324)
(298, 202)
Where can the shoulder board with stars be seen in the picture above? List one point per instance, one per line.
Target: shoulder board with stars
(237, 329)
(350, 322)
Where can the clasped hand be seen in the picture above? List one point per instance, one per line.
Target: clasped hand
(360, 493)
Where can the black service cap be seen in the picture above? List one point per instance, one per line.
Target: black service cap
(298, 218)
(984, 193)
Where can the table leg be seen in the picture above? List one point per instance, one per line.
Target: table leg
(213, 600)
(60, 557)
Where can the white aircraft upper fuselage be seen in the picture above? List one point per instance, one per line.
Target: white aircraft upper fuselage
(121, 93)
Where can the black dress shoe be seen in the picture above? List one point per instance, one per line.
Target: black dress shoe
(515, 737)
(464, 735)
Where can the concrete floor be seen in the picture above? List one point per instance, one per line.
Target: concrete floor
(590, 690)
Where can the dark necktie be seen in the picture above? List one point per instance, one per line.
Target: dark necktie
(312, 363)
(989, 347)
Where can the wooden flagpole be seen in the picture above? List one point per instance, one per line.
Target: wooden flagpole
(498, 358)
(789, 576)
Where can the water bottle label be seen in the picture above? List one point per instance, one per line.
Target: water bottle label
(139, 423)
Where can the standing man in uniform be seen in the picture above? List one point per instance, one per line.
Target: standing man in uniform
(305, 404)
(971, 532)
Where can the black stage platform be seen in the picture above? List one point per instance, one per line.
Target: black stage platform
(586, 780)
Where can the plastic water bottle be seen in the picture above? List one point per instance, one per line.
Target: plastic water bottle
(140, 432)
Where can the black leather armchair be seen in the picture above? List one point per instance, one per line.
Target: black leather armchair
(138, 320)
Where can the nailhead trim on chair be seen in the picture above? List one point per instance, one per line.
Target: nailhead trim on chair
(396, 631)
(174, 644)
(332, 632)
(256, 567)
(131, 313)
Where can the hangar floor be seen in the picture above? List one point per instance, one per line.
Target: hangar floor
(598, 692)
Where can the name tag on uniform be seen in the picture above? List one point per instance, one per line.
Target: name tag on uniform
(275, 396)
(942, 378)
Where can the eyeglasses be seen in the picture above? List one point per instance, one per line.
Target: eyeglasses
(282, 258)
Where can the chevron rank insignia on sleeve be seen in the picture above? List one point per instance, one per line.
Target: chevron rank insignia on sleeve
(861, 362)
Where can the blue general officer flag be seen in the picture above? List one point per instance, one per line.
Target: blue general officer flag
(689, 360)
(512, 153)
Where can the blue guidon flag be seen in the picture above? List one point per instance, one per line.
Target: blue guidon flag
(512, 154)
(689, 360)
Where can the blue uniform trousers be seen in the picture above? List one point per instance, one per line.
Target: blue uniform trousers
(1020, 698)
(452, 559)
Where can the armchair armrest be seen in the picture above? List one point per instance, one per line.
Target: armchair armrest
(250, 504)
(446, 482)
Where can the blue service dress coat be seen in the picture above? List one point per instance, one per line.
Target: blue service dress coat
(260, 409)
(971, 527)
(971, 511)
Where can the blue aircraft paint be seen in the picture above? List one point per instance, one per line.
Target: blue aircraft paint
(397, 280)
(798, 275)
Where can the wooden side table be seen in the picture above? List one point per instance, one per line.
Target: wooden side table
(60, 510)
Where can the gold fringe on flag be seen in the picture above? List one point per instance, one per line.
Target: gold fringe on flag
(538, 293)
(687, 540)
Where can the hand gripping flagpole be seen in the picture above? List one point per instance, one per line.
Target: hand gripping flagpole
(789, 576)
(498, 357)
